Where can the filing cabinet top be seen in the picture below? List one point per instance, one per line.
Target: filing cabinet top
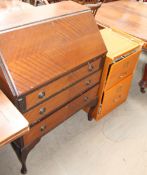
(117, 44)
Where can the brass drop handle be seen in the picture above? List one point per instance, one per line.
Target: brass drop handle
(86, 98)
(90, 67)
(42, 128)
(41, 95)
(88, 82)
(42, 111)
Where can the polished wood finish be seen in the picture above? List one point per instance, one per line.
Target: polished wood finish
(118, 71)
(122, 56)
(126, 51)
(12, 123)
(48, 12)
(28, 71)
(56, 118)
(52, 68)
(143, 44)
(62, 83)
(130, 17)
(58, 100)
(122, 69)
(115, 95)
(127, 16)
(22, 153)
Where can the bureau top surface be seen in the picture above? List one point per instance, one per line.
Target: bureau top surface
(117, 44)
(40, 52)
(21, 14)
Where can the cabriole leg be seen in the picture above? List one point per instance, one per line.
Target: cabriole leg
(22, 153)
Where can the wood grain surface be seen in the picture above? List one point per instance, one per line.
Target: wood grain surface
(39, 48)
(12, 123)
(122, 43)
(58, 100)
(62, 83)
(121, 60)
(21, 15)
(42, 52)
(127, 16)
(58, 117)
(115, 95)
(122, 69)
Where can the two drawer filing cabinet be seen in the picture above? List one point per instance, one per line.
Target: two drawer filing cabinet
(121, 60)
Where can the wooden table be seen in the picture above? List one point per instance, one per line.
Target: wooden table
(129, 17)
(12, 122)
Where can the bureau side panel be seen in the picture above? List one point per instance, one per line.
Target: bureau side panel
(5, 84)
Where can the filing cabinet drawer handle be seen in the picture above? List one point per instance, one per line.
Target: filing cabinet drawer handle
(90, 67)
(41, 95)
(86, 98)
(117, 99)
(42, 111)
(42, 128)
(123, 75)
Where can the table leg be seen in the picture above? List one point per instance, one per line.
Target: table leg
(143, 82)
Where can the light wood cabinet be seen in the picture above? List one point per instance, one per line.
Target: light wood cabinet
(115, 95)
(122, 56)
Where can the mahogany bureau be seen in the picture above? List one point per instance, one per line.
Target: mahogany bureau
(50, 66)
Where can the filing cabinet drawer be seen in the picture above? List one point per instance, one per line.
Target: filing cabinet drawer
(121, 69)
(62, 83)
(60, 115)
(63, 97)
(116, 95)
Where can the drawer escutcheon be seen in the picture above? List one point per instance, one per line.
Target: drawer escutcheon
(90, 67)
(42, 128)
(42, 111)
(41, 95)
(88, 82)
(86, 98)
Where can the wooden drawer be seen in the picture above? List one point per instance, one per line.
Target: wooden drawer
(62, 83)
(121, 69)
(63, 97)
(59, 116)
(116, 95)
